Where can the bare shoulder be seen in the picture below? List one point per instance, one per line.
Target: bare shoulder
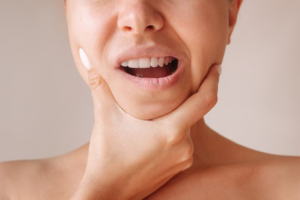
(274, 178)
(53, 178)
(19, 176)
(5, 182)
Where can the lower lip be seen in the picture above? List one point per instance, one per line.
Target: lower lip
(156, 84)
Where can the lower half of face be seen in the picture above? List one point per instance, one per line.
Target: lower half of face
(148, 103)
(196, 39)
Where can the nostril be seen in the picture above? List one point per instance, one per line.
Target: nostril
(127, 28)
(150, 27)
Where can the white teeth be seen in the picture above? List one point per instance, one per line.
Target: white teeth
(161, 62)
(154, 62)
(166, 60)
(124, 64)
(134, 63)
(147, 62)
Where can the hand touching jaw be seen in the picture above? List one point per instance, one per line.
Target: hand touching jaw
(131, 44)
(138, 147)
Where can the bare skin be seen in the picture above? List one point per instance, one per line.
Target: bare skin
(222, 169)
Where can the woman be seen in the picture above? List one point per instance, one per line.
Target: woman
(153, 71)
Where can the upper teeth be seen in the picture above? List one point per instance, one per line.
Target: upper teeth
(148, 62)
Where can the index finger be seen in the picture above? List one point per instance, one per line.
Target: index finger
(101, 92)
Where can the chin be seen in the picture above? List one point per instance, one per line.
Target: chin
(148, 106)
(149, 111)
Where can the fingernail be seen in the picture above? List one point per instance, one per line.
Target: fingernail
(85, 60)
(219, 67)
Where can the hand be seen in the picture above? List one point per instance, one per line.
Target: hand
(131, 158)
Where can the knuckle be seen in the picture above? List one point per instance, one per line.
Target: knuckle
(95, 82)
(175, 133)
(188, 153)
(94, 79)
(173, 137)
(188, 163)
(211, 99)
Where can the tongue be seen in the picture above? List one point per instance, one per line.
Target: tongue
(151, 72)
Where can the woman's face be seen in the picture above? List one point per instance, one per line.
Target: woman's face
(193, 32)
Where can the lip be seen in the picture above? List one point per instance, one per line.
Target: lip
(151, 84)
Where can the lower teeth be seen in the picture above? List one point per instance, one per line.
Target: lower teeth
(139, 75)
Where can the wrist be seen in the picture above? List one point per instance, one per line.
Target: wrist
(91, 189)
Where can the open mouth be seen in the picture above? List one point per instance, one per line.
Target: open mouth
(151, 67)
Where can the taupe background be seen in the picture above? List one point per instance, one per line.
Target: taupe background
(46, 109)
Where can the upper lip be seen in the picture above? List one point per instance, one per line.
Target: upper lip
(137, 52)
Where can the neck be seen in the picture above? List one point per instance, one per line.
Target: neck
(210, 148)
(204, 139)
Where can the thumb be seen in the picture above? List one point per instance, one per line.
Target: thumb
(102, 96)
(200, 103)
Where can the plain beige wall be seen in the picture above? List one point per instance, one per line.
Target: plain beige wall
(46, 109)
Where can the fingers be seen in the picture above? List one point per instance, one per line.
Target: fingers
(101, 93)
(200, 103)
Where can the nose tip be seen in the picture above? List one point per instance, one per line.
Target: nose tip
(139, 19)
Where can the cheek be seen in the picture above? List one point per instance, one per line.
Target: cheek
(86, 31)
(209, 49)
(205, 34)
